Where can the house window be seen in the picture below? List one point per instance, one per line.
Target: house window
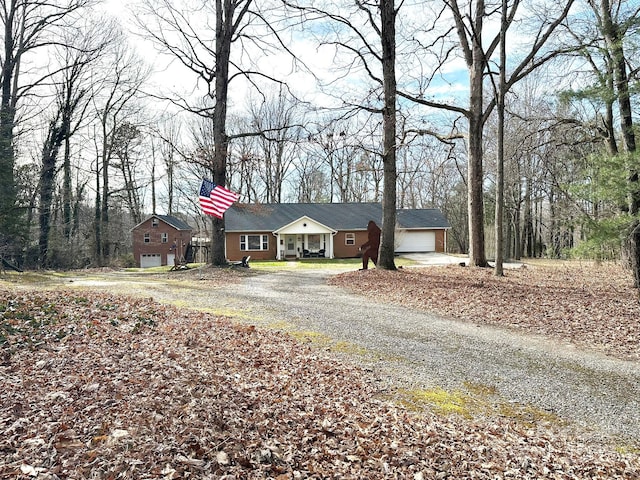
(164, 237)
(349, 238)
(147, 238)
(154, 222)
(314, 242)
(254, 242)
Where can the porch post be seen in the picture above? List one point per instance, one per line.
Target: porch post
(278, 247)
(331, 237)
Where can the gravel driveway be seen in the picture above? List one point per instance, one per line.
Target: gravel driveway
(407, 347)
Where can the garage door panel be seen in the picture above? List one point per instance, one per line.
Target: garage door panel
(150, 260)
(416, 242)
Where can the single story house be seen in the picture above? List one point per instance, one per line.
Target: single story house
(331, 230)
(161, 240)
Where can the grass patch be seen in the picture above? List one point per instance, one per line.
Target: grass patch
(628, 449)
(162, 269)
(528, 415)
(216, 311)
(313, 263)
(476, 400)
(350, 348)
(281, 325)
(480, 389)
(316, 338)
(52, 276)
(439, 400)
(26, 278)
(319, 339)
(304, 264)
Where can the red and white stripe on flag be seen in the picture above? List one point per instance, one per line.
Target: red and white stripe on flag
(214, 199)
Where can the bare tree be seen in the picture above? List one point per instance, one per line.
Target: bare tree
(312, 180)
(215, 56)
(126, 142)
(339, 146)
(170, 155)
(79, 50)
(367, 34)
(244, 162)
(279, 120)
(28, 27)
(114, 100)
(470, 19)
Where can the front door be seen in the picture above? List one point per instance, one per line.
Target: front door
(290, 245)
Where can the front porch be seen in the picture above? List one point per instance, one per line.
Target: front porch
(304, 238)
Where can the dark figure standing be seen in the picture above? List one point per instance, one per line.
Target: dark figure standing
(370, 249)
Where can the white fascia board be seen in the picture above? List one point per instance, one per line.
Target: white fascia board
(303, 225)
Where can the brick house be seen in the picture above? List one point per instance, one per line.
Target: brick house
(330, 230)
(161, 240)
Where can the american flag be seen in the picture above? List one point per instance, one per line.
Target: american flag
(214, 199)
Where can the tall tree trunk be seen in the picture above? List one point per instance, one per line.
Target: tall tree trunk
(8, 192)
(499, 268)
(475, 182)
(610, 128)
(104, 205)
(47, 178)
(613, 37)
(527, 234)
(634, 249)
(66, 191)
(224, 37)
(97, 217)
(387, 245)
(153, 188)
(517, 232)
(8, 198)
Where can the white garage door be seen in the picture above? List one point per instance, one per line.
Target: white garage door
(416, 242)
(150, 260)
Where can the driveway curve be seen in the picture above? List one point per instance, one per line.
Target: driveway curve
(597, 394)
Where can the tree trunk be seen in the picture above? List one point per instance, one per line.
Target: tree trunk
(517, 232)
(47, 177)
(386, 259)
(499, 268)
(612, 143)
(612, 36)
(632, 251)
(475, 182)
(224, 37)
(8, 192)
(97, 217)
(66, 191)
(104, 245)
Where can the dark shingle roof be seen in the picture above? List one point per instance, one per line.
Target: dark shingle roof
(338, 216)
(174, 222)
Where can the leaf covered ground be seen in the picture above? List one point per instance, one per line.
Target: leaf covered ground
(589, 305)
(103, 386)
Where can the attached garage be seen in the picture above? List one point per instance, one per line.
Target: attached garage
(150, 260)
(412, 241)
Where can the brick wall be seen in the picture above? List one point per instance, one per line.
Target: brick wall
(156, 245)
